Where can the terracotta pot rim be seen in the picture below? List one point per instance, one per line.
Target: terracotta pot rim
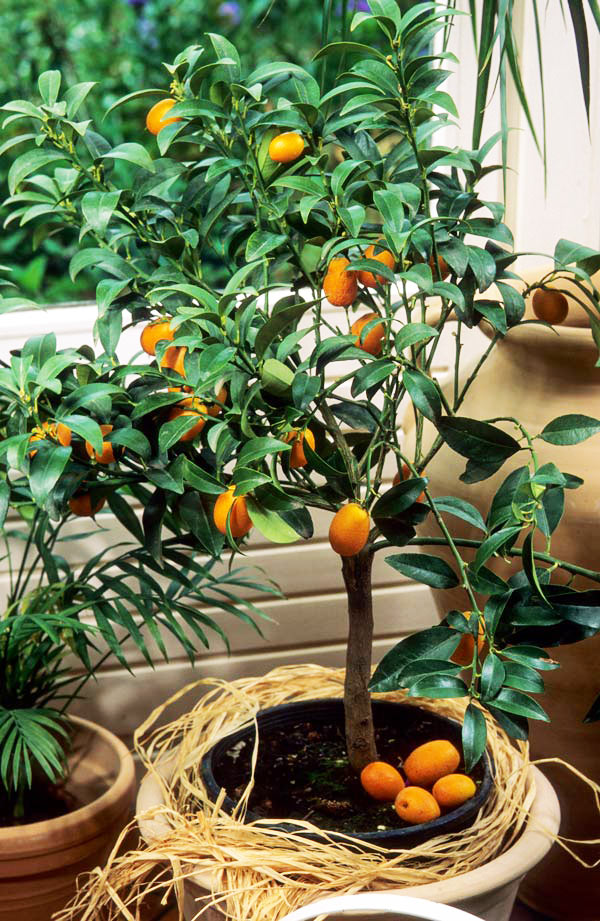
(32, 838)
(533, 843)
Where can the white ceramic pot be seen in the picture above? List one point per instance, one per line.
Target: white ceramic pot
(488, 892)
(40, 862)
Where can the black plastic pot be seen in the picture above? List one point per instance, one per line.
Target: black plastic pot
(417, 724)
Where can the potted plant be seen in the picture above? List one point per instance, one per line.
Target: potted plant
(340, 192)
(66, 785)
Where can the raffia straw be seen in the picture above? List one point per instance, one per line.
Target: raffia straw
(260, 872)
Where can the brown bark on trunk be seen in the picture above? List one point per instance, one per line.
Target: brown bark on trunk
(360, 735)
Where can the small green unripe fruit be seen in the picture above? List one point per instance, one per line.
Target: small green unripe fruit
(276, 377)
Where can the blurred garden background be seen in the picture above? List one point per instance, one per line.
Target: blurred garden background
(121, 45)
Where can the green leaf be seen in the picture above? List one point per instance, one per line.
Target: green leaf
(172, 431)
(492, 676)
(398, 498)
(413, 333)
(257, 448)
(278, 322)
(434, 643)
(125, 514)
(133, 153)
(98, 208)
(4, 501)
(86, 428)
(201, 480)
(423, 393)
(474, 736)
(371, 374)
(461, 509)
(570, 429)
(438, 687)
(493, 543)
(29, 163)
(522, 678)
(566, 253)
(583, 52)
(348, 48)
(75, 96)
(46, 468)
(138, 94)
(519, 704)
(262, 242)
(533, 656)
(479, 441)
(483, 267)
(422, 567)
(49, 86)
(152, 522)
(270, 524)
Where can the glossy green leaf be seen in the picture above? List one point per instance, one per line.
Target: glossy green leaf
(570, 429)
(422, 567)
(474, 736)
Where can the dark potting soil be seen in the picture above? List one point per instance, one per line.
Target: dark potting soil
(42, 803)
(303, 773)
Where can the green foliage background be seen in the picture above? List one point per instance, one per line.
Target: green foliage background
(122, 46)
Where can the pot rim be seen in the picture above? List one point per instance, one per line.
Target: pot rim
(534, 842)
(30, 839)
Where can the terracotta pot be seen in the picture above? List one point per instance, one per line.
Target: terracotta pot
(39, 863)
(488, 892)
(536, 375)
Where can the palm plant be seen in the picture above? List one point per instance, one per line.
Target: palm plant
(63, 621)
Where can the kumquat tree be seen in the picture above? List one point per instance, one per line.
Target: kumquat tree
(347, 234)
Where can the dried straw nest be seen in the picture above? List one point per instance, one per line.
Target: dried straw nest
(250, 865)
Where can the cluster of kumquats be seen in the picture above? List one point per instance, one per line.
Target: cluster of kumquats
(431, 786)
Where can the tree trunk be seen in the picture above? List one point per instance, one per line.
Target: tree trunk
(360, 735)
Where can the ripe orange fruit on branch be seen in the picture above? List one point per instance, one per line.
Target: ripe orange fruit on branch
(444, 268)
(191, 406)
(373, 341)
(463, 654)
(296, 438)
(107, 455)
(297, 455)
(415, 805)
(340, 285)
(286, 147)
(173, 359)
(385, 257)
(453, 790)
(551, 306)
(381, 781)
(155, 119)
(349, 529)
(83, 506)
(430, 761)
(239, 520)
(154, 332)
(56, 431)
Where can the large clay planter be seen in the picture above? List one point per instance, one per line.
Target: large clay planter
(488, 892)
(39, 863)
(535, 375)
